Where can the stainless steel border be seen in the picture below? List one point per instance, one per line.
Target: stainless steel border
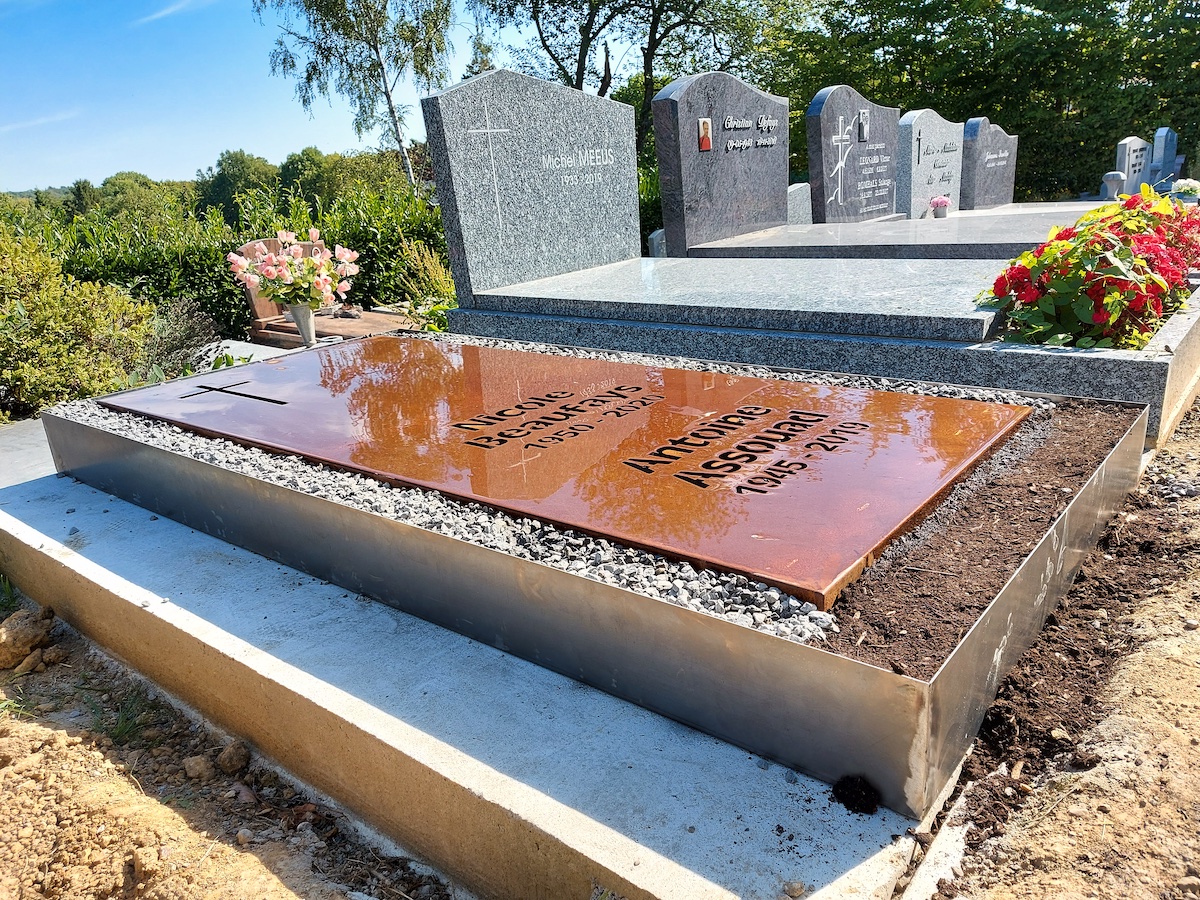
(803, 706)
(966, 684)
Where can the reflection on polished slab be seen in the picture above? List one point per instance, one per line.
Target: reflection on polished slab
(798, 485)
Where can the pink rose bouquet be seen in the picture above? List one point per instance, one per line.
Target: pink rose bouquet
(293, 276)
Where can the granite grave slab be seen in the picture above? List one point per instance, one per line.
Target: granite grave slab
(533, 179)
(795, 484)
(989, 165)
(997, 233)
(919, 299)
(852, 146)
(799, 204)
(1133, 158)
(722, 150)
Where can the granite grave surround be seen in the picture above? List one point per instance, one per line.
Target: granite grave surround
(722, 149)
(907, 735)
(929, 162)
(911, 319)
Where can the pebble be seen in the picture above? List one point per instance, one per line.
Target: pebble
(1189, 884)
(244, 836)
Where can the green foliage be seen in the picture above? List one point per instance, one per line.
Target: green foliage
(60, 339)
(650, 215)
(379, 225)
(10, 597)
(1071, 79)
(160, 258)
(1108, 281)
(179, 330)
(427, 286)
(145, 238)
(236, 172)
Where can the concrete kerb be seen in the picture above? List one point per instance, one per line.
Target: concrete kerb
(251, 644)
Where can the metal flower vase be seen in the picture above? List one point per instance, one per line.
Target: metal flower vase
(302, 315)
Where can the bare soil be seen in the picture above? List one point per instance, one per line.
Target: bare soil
(1083, 780)
(108, 791)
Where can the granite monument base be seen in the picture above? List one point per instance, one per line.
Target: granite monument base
(1165, 375)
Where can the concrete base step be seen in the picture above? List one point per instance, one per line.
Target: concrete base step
(515, 781)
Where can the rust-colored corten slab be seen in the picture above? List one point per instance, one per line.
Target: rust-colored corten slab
(797, 485)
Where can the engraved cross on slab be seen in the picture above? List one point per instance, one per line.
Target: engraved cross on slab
(229, 389)
(489, 131)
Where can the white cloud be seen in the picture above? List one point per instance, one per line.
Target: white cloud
(37, 123)
(170, 10)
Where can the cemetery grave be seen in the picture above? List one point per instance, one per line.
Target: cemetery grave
(539, 205)
(596, 612)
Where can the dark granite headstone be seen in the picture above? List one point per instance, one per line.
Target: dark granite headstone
(1133, 158)
(851, 156)
(534, 179)
(989, 165)
(1162, 159)
(722, 159)
(929, 162)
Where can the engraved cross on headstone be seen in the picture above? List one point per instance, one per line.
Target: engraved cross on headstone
(841, 142)
(228, 389)
(489, 131)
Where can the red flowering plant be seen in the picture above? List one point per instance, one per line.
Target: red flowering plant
(1108, 281)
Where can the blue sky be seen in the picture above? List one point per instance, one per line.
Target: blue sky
(161, 87)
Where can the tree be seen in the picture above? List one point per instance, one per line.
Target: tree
(361, 49)
(481, 54)
(236, 171)
(84, 197)
(1051, 71)
(569, 38)
(307, 174)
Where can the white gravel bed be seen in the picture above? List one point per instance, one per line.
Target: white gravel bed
(726, 595)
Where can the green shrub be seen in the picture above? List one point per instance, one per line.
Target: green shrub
(60, 339)
(160, 260)
(380, 225)
(428, 286)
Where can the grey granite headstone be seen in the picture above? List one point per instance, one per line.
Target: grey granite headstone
(851, 156)
(1114, 183)
(800, 204)
(1162, 159)
(1133, 158)
(657, 243)
(534, 179)
(722, 159)
(989, 165)
(928, 162)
